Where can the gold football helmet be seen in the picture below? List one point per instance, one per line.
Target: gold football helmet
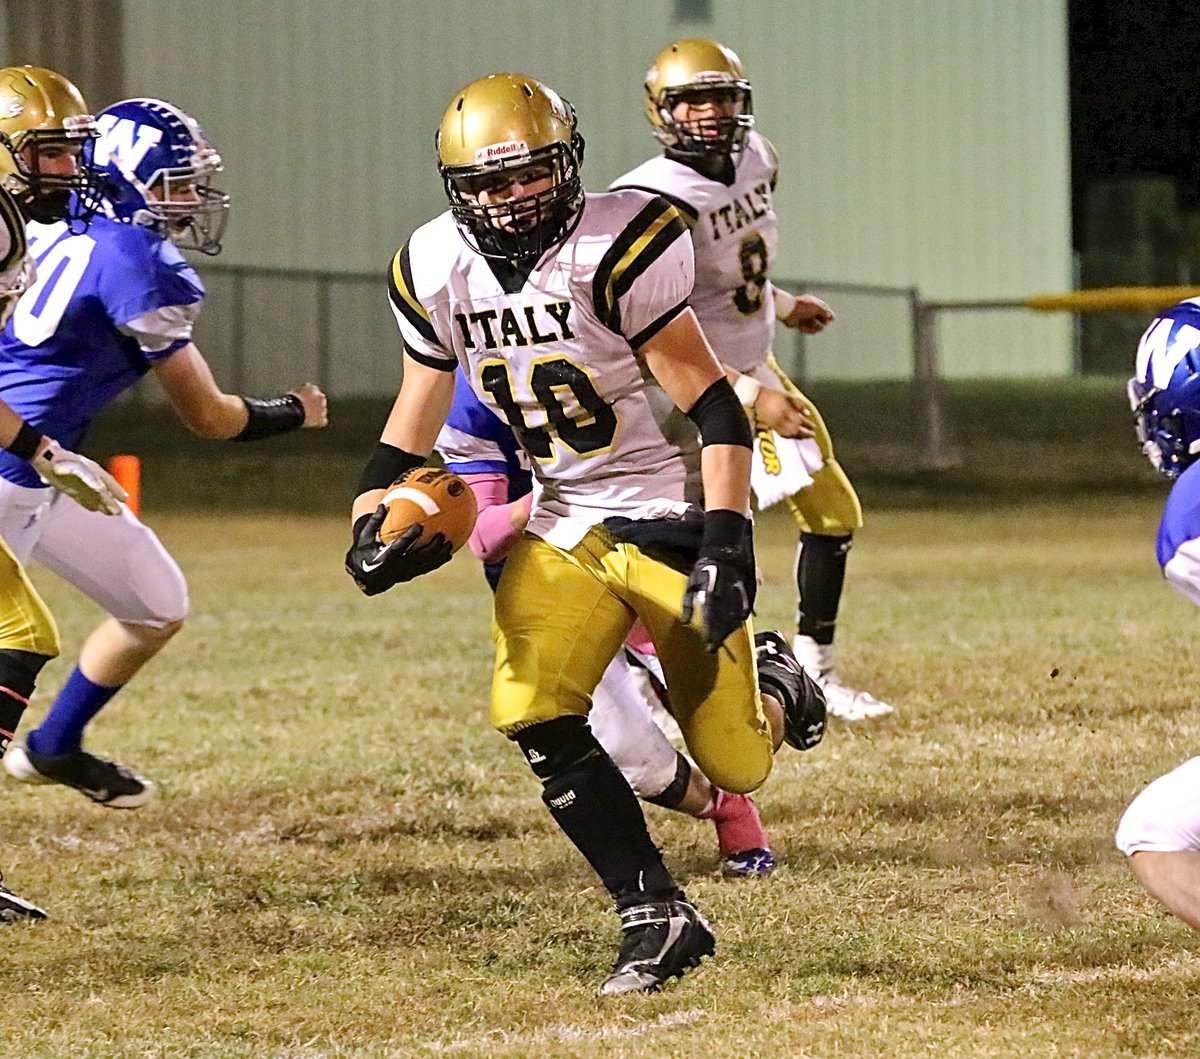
(710, 77)
(43, 124)
(498, 132)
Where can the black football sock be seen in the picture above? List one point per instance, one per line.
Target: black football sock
(596, 808)
(820, 573)
(18, 674)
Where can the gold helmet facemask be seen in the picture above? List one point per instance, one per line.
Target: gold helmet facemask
(42, 115)
(699, 72)
(500, 130)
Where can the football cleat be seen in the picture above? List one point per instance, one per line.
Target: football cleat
(749, 864)
(803, 700)
(105, 782)
(841, 700)
(663, 940)
(13, 907)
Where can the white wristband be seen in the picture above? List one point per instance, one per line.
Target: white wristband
(747, 390)
(784, 303)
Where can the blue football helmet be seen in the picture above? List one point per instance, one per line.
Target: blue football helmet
(157, 169)
(1165, 392)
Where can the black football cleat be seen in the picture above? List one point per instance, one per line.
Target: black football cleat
(663, 940)
(13, 908)
(105, 782)
(783, 677)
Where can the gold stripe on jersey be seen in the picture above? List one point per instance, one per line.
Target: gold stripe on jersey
(643, 242)
(400, 290)
(15, 223)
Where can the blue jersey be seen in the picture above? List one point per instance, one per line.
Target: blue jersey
(477, 441)
(106, 304)
(1181, 517)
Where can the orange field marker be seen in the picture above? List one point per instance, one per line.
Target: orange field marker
(127, 470)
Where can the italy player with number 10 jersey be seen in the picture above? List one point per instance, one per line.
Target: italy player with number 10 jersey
(110, 305)
(563, 311)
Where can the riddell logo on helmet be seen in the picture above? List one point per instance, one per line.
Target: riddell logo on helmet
(498, 152)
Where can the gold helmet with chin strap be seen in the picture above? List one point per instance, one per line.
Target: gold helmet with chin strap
(699, 71)
(502, 130)
(41, 110)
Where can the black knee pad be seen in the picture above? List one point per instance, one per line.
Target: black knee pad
(19, 670)
(553, 747)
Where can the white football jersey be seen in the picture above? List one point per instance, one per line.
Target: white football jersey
(735, 234)
(551, 352)
(17, 269)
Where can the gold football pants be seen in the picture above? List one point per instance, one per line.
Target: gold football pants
(25, 622)
(830, 505)
(560, 618)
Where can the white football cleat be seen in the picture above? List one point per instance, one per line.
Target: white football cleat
(841, 700)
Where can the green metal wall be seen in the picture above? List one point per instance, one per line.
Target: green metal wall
(923, 142)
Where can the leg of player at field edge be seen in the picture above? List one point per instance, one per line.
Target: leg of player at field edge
(128, 572)
(28, 640)
(1160, 833)
(1172, 878)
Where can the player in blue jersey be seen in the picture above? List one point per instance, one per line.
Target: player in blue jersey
(110, 305)
(477, 445)
(1160, 831)
(36, 179)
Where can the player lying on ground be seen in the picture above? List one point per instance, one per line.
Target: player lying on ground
(720, 173)
(28, 635)
(110, 305)
(1160, 831)
(558, 308)
(475, 444)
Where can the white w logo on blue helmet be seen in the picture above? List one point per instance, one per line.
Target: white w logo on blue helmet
(1165, 392)
(157, 168)
(123, 140)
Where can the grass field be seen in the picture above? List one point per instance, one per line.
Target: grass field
(346, 861)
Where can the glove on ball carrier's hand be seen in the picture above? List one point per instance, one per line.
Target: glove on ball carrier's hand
(376, 566)
(723, 581)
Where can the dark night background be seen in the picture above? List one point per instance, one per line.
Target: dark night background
(1135, 158)
(1135, 93)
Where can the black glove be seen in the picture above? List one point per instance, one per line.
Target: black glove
(723, 582)
(376, 566)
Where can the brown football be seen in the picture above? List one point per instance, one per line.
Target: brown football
(440, 501)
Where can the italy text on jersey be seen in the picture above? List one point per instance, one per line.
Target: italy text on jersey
(735, 233)
(552, 355)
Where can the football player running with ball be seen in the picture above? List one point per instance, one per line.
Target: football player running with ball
(46, 183)
(554, 305)
(1160, 831)
(720, 173)
(111, 304)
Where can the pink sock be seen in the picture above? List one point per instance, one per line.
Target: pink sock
(738, 825)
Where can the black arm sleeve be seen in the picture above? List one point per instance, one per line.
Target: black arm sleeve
(387, 463)
(719, 415)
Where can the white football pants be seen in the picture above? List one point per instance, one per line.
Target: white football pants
(114, 560)
(1165, 817)
(622, 723)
